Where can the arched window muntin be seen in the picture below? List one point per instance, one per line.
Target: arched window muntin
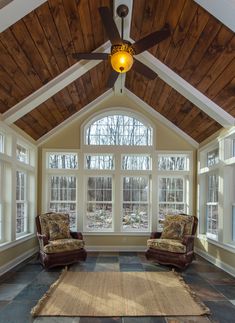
(142, 136)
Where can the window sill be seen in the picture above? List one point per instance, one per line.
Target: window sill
(8, 245)
(116, 233)
(226, 246)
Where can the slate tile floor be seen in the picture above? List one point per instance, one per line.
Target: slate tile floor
(23, 286)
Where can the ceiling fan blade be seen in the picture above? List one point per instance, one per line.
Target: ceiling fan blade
(97, 56)
(152, 39)
(144, 70)
(112, 79)
(110, 26)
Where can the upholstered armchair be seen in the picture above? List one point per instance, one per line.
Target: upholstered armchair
(58, 245)
(175, 244)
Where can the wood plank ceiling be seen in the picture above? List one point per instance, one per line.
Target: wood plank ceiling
(39, 47)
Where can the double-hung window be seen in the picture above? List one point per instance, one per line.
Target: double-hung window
(212, 205)
(21, 203)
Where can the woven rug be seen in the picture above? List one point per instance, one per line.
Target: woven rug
(119, 294)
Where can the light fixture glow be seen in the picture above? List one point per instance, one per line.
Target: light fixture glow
(121, 58)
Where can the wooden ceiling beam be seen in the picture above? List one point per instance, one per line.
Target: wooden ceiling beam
(187, 90)
(52, 87)
(15, 10)
(222, 10)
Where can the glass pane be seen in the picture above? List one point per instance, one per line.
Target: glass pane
(213, 157)
(174, 163)
(21, 217)
(99, 162)
(132, 162)
(135, 189)
(20, 186)
(233, 222)
(118, 130)
(22, 154)
(99, 217)
(166, 208)
(63, 161)
(135, 217)
(1, 143)
(213, 188)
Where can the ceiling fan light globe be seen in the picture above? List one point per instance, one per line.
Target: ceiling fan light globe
(121, 61)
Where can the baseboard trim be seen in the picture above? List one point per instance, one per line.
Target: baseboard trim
(218, 263)
(16, 261)
(116, 248)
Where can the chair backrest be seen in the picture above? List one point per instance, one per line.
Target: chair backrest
(42, 221)
(191, 222)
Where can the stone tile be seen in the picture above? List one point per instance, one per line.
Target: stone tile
(3, 304)
(9, 291)
(47, 278)
(218, 278)
(19, 277)
(106, 259)
(221, 311)
(191, 278)
(206, 292)
(188, 319)
(106, 267)
(145, 319)
(109, 254)
(227, 290)
(17, 312)
(85, 266)
(35, 268)
(56, 320)
(100, 320)
(131, 267)
(33, 291)
(127, 254)
(129, 260)
(151, 267)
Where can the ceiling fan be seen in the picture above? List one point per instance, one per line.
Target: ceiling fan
(123, 52)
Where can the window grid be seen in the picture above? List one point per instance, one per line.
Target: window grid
(118, 130)
(62, 191)
(62, 161)
(99, 213)
(212, 205)
(102, 162)
(21, 203)
(136, 162)
(135, 203)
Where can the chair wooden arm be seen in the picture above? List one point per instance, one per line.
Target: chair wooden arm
(43, 240)
(155, 235)
(187, 239)
(76, 235)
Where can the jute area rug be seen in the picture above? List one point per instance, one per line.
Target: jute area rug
(119, 294)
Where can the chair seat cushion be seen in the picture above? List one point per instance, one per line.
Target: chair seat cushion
(170, 245)
(62, 245)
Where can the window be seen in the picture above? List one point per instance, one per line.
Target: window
(22, 154)
(118, 130)
(212, 206)
(233, 147)
(213, 157)
(63, 161)
(172, 163)
(171, 196)
(1, 143)
(63, 196)
(99, 213)
(136, 162)
(99, 162)
(21, 204)
(1, 201)
(135, 203)
(233, 222)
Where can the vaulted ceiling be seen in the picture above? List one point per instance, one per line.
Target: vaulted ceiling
(36, 52)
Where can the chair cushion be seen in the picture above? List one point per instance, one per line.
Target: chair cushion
(62, 245)
(187, 219)
(167, 245)
(56, 217)
(59, 230)
(173, 230)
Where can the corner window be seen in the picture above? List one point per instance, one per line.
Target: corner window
(213, 157)
(1, 143)
(212, 206)
(21, 203)
(22, 154)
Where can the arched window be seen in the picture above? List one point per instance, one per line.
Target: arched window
(118, 130)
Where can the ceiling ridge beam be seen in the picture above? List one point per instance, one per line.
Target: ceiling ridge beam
(74, 117)
(187, 90)
(16, 10)
(52, 87)
(161, 118)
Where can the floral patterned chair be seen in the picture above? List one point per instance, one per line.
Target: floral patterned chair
(58, 245)
(174, 245)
